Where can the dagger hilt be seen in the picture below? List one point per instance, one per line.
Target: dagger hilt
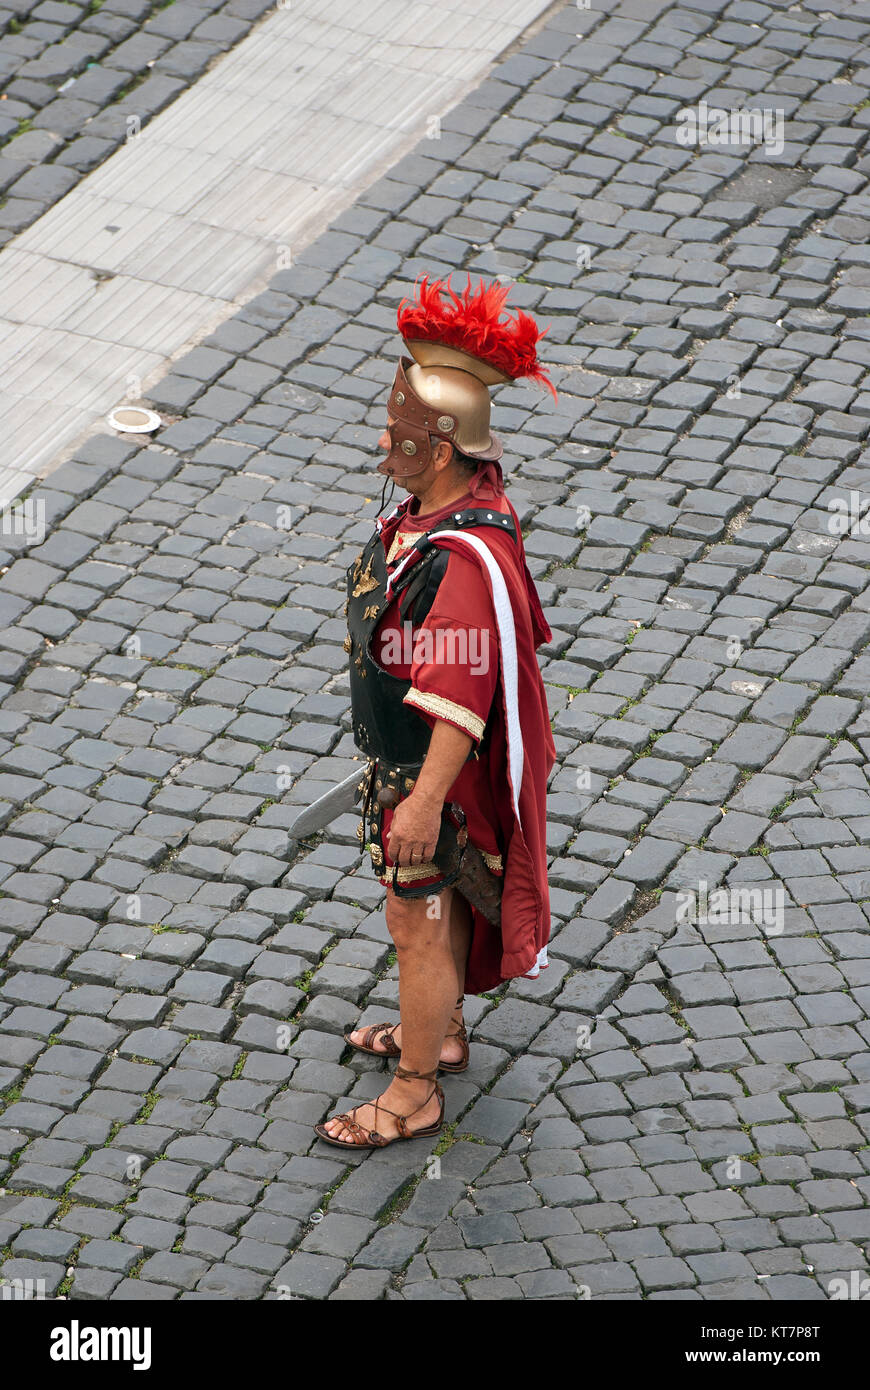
(389, 798)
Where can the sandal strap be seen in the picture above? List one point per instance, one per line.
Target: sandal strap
(385, 1031)
(462, 1036)
(402, 1120)
(461, 1032)
(405, 1074)
(359, 1134)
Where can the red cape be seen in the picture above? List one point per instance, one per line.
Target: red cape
(521, 723)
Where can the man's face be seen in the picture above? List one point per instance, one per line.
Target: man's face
(385, 442)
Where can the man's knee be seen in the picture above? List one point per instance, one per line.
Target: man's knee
(414, 923)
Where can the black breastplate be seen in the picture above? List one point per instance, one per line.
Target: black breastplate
(384, 727)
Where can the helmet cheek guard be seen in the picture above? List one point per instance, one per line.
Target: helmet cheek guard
(410, 451)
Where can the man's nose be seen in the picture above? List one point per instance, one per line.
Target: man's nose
(385, 441)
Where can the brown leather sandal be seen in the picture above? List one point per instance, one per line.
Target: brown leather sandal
(370, 1138)
(390, 1048)
(462, 1035)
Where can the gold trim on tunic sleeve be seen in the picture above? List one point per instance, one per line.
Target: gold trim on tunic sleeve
(442, 708)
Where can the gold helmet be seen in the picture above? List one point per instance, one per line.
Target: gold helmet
(459, 348)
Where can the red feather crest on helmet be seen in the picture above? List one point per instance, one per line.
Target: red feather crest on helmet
(471, 323)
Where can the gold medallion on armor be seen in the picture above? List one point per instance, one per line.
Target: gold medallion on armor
(366, 581)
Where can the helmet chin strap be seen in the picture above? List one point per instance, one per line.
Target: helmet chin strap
(388, 483)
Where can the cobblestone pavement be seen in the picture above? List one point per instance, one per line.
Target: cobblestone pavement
(675, 1108)
(79, 77)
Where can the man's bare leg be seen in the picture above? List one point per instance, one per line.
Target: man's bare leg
(460, 937)
(431, 952)
(459, 928)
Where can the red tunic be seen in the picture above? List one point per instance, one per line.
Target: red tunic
(454, 662)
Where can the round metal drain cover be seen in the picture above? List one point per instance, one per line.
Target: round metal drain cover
(134, 419)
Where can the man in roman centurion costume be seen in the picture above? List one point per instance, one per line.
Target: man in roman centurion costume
(448, 704)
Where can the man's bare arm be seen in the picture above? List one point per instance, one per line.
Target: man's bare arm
(417, 820)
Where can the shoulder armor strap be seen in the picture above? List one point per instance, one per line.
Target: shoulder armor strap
(423, 586)
(480, 516)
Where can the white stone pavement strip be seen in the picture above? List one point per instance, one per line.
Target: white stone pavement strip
(187, 221)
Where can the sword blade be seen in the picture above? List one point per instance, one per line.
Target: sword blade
(328, 807)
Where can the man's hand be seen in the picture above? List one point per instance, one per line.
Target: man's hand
(414, 830)
(416, 822)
